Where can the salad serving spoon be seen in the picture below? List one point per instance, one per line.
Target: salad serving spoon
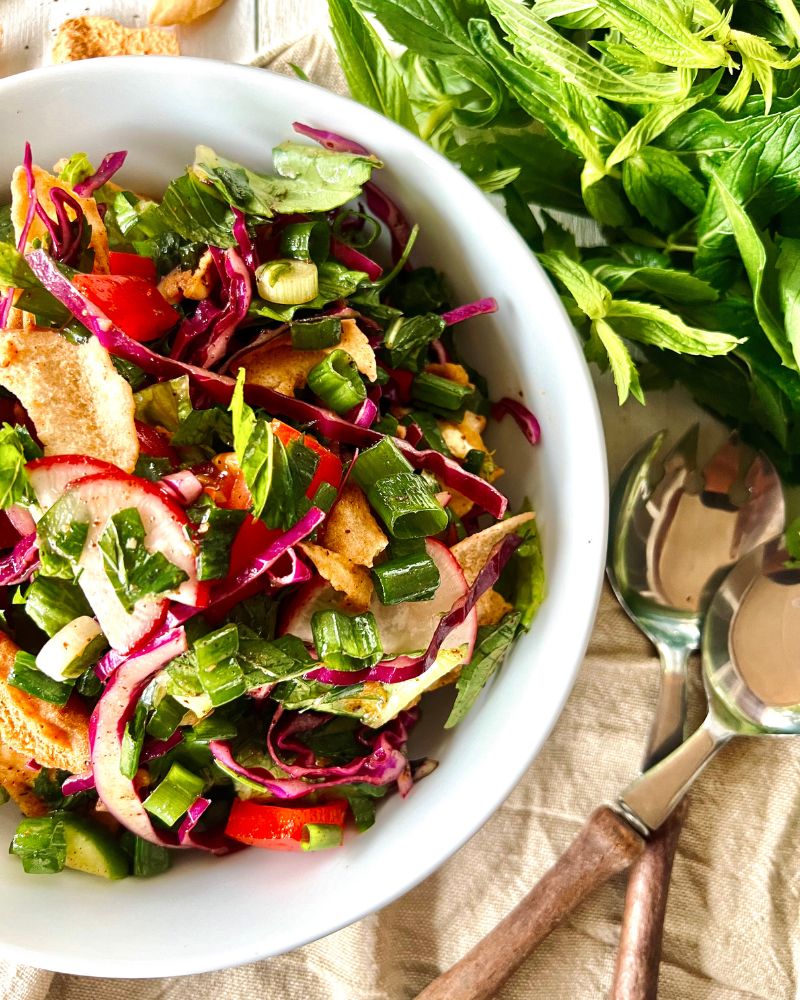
(751, 676)
(674, 530)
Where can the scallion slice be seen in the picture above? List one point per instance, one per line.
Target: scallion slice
(407, 507)
(473, 461)
(26, 676)
(431, 432)
(306, 241)
(217, 645)
(132, 741)
(381, 460)
(432, 390)
(344, 642)
(337, 383)
(321, 836)
(166, 718)
(173, 796)
(314, 334)
(223, 681)
(288, 282)
(147, 859)
(210, 729)
(410, 578)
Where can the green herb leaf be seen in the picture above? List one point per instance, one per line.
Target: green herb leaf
(490, 650)
(254, 444)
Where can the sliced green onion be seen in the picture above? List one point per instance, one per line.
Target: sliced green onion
(410, 578)
(222, 682)
(321, 836)
(358, 238)
(211, 729)
(431, 431)
(174, 794)
(216, 646)
(439, 392)
(167, 717)
(306, 241)
(381, 460)
(345, 642)
(40, 845)
(78, 645)
(132, 741)
(26, 676)
(402, 547)
(473, 460)
(408, 338)
(314, 334)
(387, 424)
(337, 383)
(288, 282)
(325, 497)
(147, 859)
(215, 530)
(407, 507)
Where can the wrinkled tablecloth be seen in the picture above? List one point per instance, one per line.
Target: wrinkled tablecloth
(732, 921)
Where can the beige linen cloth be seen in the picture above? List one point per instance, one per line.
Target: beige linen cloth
(732, 922)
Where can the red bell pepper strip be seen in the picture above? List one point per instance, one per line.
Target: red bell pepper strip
(132, 264)
(280, 828)
(135, 305)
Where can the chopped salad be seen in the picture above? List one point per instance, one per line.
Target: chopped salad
(248, 514)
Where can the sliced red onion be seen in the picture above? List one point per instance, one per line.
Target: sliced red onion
(184, 486)
(355, 260)
(107, 726)
(525, 420)
(281, 788)
(108, 663)
(192, 818)
(479, 308)
(287, 570)
(390, 214)
(110, 165)
(364, 415)
(414, 434)
(220, 389)
(77, 783)
(30, 190)
(330, 140)
(440, 351)
(384, 764)
(247, 248)
(20, 563)
(21, 519)
(154, 749)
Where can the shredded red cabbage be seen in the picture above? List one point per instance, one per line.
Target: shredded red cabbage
(210, 343)
(192, 818)
(364, 415)
(247, 248)
(385, 763)
(220, 389)
(479, 308)
(110, 165)
(154, 749)
(414, 434)
(330, 140)
(30, 185)
(20, 563)
(525, 420)
(288, 569)
(355, 260)
(77, 783)
(65, 234)
(440, 351)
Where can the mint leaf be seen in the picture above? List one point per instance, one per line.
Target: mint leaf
(135, 571)
(490, 650)
(254, 444)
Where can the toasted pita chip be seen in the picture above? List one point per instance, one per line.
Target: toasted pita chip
(17, 779)
(50, 735)
(45, 182)
(350, 529)
(167, 12)
(466, 436)
(88, 37)
(194, 284)
(472, 552)
(491, 607)
(343, 575)
(448, 370)
(77, 400)
(279, 366)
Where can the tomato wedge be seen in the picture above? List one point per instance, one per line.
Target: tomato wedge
(134, 304)
(132, 264)
(279, 828)
(329, 469)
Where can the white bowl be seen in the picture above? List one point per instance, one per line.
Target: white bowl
(209, 913)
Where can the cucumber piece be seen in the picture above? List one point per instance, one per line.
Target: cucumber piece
(92, 849)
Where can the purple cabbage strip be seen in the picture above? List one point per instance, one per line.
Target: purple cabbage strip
(110, 165)
(157, 748)
(281, 788)
(220, 389)
(384, 764)
(30, 183)
(414, 434)
(438, 348)
(364, 414)
(195, 326)
(193, 814)
(525, 420)
(330, 140)
(247, 248)
(77, 783)
(20, 563)
(65, 233)
(355, 260)
(236, 291)
(295, 570)
(107, 664)
(479, 308)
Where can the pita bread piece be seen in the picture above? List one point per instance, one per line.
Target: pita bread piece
(277, 365)
(167, 12)
(351, 530)
(79, 403)
(17, 779)
(49, 734)
(343, 575)
(88, 37)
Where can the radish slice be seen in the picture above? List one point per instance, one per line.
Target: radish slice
(107, 726)
(50, 477)
(21, 520)
(166, 531)
(404, 628)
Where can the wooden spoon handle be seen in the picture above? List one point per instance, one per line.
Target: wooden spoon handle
(639, 954)
(606, 845)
